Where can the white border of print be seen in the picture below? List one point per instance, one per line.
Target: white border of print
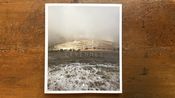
(46, 91)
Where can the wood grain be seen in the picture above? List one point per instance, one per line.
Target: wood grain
(148, 49)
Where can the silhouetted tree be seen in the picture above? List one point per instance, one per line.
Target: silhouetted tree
(61, 50)
(70, 49)
(78, 50)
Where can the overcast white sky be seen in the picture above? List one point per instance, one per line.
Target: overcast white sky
(67, 23)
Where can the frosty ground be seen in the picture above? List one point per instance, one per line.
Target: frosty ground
(83, 76)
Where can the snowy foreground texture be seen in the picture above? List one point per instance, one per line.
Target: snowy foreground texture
(83, 76)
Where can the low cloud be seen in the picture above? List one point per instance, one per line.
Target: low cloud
(66, 23)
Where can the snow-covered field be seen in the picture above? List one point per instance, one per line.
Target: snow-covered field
(83, 76)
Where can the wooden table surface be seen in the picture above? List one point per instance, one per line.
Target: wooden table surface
(148, 49)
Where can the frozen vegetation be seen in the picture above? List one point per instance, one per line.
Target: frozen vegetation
(83, 76)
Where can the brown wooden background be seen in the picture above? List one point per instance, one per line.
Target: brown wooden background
(148, 49)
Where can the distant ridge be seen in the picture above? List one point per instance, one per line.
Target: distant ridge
(85, 45)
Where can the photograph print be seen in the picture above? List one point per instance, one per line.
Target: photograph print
(83, 48)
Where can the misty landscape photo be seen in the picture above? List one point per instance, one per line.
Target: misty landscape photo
(83, 47)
